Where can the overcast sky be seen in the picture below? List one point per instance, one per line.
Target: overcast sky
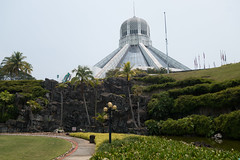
(58, 35)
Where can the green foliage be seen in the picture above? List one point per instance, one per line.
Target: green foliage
(177, 127)
(159, 79)
(152, 127)
(228, 98)
(203, 125)
(199, 125)
(8, 110)
(156, 71)
(33, 87)
(113, 73)
(229, 124)
(149, 148)
(176, 84)
(35, 107)
(100, 118)
(203, 88)
(160, 107)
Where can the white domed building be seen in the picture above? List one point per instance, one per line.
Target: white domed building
(136, 47)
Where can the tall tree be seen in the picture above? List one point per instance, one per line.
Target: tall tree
(95, 83)
(138, 92)
(15, 65)
(61, 86)
(83, 75)
(128, 72)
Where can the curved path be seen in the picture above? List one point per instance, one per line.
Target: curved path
(82, 149)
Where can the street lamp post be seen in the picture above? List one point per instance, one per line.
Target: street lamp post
(109, 111)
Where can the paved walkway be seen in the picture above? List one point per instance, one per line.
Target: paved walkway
(82, 149)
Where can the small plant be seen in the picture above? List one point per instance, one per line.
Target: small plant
(34, 106)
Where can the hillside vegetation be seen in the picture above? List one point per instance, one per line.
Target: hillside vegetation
(226, 72)
(188, 103)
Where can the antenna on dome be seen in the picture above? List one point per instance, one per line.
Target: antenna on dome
(166, 41)
(134, 9)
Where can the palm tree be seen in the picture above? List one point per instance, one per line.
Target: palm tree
(128, 72)
(14, 65)
(61, 86)
(137, 92)
(83, 75)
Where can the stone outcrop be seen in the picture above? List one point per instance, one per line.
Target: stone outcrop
(74, 113)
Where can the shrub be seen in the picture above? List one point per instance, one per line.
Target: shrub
(161, 106)
(159, 79)
(229, 124)
(203, 88)
(177, 127)
(203, 125)
(229, 98)
(177, 84)
(35, 107)
(152, 127)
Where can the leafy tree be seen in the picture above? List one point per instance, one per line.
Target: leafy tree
(61, 86)
(15, 65)
(5, 99)
(83, 75)
(128, 72)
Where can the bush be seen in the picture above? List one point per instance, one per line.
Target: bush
(177, 127)
(229, 124)
(159, 79)
(160, 107)
(229, 99)
(152, 127)
(203, 88)
(203, 125)
(177, 84)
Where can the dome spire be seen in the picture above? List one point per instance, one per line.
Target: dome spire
(134, 9)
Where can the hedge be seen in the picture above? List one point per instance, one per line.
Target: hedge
(229, 98)
(200, 89)
(176, 84)
(159, 79)
(198, 125)
(229, 124)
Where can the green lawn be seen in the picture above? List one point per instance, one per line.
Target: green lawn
(226, 72)
(32, 147)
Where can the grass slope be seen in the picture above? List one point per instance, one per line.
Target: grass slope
(226, 72)
(32, 148)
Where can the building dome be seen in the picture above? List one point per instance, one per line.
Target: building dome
(134, 31)
(136, 26)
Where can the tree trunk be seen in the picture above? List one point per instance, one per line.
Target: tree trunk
(138, 118)
(61, 122)
(85, 105)
(95, 91)
(130, 103)
(3, 109)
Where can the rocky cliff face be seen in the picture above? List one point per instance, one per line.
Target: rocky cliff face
(74, 113)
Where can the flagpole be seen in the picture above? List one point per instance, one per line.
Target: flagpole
(166, 41)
